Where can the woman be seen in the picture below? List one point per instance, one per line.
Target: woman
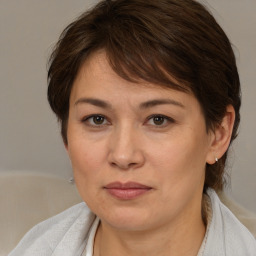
(148, 97)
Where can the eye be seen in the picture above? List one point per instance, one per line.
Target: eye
(95, 120)
(159, 120)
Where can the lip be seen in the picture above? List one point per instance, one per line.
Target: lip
(126, 191)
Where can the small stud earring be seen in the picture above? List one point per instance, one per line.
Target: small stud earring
(216, 159)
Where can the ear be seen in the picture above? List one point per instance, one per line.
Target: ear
(221, 136)
(66, 147)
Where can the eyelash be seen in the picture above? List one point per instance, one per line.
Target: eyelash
(166, 119)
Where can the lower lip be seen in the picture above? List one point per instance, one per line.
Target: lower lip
(127, 194)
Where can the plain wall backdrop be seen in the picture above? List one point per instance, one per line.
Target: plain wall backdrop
(29, 133)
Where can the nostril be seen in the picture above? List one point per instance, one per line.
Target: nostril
(124, 166)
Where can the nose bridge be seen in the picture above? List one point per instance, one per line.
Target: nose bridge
(125, 150)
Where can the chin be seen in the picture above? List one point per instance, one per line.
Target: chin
(127, 220)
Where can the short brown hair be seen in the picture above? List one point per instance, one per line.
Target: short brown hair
(153, 41)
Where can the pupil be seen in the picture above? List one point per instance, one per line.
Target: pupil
(98, 119)
(158, 120)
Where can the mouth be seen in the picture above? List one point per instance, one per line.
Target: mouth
(126, 191)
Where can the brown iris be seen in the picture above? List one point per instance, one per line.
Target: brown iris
(98, 120)
(158, 120)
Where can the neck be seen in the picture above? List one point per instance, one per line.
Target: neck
(182, 238)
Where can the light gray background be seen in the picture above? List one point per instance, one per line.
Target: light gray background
(29, 134)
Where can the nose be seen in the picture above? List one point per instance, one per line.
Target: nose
(125, 149)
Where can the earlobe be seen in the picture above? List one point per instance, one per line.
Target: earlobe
(222, 136)
(67, 148)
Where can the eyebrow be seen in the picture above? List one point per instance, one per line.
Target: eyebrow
(152, 103)
(93, 101)
(144, 105)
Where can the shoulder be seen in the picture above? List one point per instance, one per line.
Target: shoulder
(67, 229)
(245, 216)
(227, 235)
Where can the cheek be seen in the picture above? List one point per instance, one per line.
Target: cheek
(173, 153)
(84, 151)
(86, 162)
(85, 169)
(179, 162)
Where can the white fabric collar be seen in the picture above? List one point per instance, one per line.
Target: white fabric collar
(90, 242)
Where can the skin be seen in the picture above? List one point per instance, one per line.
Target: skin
(112, 137)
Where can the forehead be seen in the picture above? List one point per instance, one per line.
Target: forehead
(97, 69)
(97, 76)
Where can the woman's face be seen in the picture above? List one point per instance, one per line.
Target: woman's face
(138, 151)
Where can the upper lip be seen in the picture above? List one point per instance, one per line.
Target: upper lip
(126, 185)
